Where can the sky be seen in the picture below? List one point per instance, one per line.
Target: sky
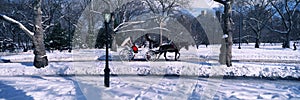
(198, 5)
(203, 4)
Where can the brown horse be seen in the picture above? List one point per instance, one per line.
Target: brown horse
(168, 48)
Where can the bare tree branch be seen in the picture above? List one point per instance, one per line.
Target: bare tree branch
(281, 14)
(220, 1)
(144, 30)
(126, 24)
(20, 25)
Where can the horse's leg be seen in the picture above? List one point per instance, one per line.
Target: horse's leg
(166, 56)
(159, 55)
(132, 58)
(176, 55)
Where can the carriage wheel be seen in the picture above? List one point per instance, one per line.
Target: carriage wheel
(150, 56)
(125, 55)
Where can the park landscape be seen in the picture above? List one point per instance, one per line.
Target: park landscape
(229, 49)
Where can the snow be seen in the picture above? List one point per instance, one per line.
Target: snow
(36, 87)
(146, 87)
(198, 75)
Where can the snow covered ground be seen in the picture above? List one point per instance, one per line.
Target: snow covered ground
(145, 88)
(78, 75)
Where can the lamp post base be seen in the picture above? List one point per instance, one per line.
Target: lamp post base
(106, 77)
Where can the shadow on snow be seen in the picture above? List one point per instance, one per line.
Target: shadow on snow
(8, 92)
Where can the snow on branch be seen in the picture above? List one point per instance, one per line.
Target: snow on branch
(48, 26)
(144, 30)
(278, 31)
(126, 24)
(220, 1)
(20, 25)
(97, 12)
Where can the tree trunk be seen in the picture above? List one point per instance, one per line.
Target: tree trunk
(114, 43)
(40, 59)
(286, 43)
(226, 48)
(257, 42)
(160, 31)
(37, 36)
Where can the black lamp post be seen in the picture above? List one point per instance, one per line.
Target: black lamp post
(107, 18)
(70, 47)
(240, 26)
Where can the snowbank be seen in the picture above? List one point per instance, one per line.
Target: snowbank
(203, 69)
(267, 61)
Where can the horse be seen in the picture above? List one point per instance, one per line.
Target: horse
(170, 47)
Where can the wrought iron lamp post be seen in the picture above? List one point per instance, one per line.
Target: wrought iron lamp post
(241, 18)
(107, 17)
(240, 29)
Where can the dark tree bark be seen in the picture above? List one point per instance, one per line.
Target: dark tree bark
(226, 48)
(40, 59)
(257, 42)
(37, 36)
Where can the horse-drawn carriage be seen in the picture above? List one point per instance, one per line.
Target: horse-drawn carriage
(131, 51)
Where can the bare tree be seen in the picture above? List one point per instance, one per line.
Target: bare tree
(296, 28)
(226, 48)
(286, 10)
(125, 15)
(72, 12)
(8, 31)
(37, 34)
(258, 15)
(162, 9)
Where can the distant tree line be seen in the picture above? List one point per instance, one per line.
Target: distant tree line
(257, 21)
(265, 21)
(59, 20)
(254, 19)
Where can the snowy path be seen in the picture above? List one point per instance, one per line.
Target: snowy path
(161, 88)
(38, 88)
(144, 87)
(175, 88)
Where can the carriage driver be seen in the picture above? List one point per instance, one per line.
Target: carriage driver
(149, 42)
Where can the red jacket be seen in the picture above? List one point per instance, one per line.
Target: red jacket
(135, 49)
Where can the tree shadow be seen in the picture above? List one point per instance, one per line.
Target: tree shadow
(8, 92)
(4, 61)
(29, 64)
(103, 58)
(203, 63)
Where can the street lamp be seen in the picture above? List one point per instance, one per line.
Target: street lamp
(107, 17)
(240, 26)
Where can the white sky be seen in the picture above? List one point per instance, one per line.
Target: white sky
(196, 4)
(203, 3)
